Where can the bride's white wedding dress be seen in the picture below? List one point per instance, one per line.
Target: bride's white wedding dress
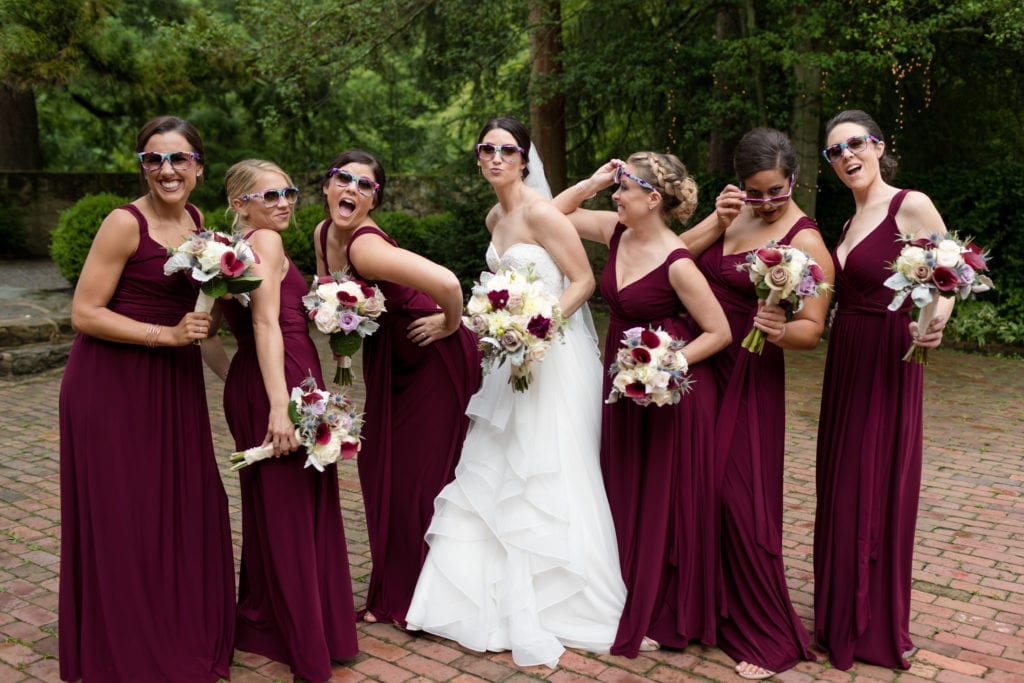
(522, 546)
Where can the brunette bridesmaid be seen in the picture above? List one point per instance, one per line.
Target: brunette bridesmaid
(146, 572)
(870, 429)
(420, 369)
(758, 626)
(294, 593)
(657, 462)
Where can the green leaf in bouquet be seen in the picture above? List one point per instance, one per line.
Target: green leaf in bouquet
(293, 413)
(240, 285)
(345, 344)
(215, 288)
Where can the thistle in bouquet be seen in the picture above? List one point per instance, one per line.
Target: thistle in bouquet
(649, 367)
(347, 309)
(221, 263)
(781, 273)
(325, 423)
(934, 267)
(516, 320)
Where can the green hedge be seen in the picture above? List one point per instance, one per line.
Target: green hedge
(76, 227)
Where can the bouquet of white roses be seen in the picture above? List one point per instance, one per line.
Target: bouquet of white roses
(221, 263)
(649, 367)
(516, 320)
(781, 273)
(347, 309)
(927, 268)
(325, 423)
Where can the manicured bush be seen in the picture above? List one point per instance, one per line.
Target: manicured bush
(75, 230)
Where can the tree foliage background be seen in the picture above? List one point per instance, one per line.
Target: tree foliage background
(413, 80)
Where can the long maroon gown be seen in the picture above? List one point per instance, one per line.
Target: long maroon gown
(757, 622)
(295, 592)
(869, 463)
(657, 464)
(415, 424)
(147, 581)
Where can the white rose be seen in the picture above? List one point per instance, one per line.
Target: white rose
(947, 253)
(326, 319)
(210, 258)
(477, 305)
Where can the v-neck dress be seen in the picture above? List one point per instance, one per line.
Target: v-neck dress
(658, 470)
(294, 591)
(757, 621)
(147, 580)
(414, 425)
(868, 463)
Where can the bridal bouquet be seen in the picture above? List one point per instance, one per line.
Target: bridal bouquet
(221, 263)
(325, 423)
(933, 267)
(516, 320)
(781, 273)
(347, 309)
(649, 367)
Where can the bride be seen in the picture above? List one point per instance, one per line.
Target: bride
(522, 546)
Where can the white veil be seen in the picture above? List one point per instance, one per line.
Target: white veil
(538, 181)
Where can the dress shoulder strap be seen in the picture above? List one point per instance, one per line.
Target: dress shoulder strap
(140, 218)
(897, 201)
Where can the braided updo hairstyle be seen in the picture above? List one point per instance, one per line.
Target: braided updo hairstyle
(667, 174)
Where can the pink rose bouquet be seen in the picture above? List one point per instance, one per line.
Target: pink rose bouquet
(649, 367)
(325, 423)
(516, 320)
(781, 273)
(933, 267)
(347, 309)
(221, 263)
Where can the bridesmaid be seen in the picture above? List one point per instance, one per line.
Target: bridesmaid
(420, 369)
(294, 593)
(657, 461)
(146, 570)
(870, 428)
(758, 626)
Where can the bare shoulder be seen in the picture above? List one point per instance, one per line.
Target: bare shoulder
(543, 215)
(918, 215)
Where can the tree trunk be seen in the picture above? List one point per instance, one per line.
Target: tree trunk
(547, 103)
(19, 131)
(806, 120)
(723, 144)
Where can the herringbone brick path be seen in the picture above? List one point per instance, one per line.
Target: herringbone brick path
(968, 603)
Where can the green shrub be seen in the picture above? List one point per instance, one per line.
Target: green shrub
(13, 234)
(978, 323)
(298, 238)
(75, 230)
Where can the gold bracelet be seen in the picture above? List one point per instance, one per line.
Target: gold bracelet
(153, 335)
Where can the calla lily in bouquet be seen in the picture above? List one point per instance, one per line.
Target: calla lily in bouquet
(649, 367)
(325, 423)
(781, 273)
(347, 309)
(221, 263)
(933, 267)
(516, 319)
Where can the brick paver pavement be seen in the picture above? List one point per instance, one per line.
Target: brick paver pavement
(967, 613)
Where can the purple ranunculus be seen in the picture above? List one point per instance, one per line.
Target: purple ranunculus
(349, 321)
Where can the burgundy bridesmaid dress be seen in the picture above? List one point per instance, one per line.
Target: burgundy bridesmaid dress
(869, 463)
(658, 470)
(757, 622)
(295, 592)
(416, 422)
(146, 572)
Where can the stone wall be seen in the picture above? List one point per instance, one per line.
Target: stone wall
(32, 201)
(37, 198)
